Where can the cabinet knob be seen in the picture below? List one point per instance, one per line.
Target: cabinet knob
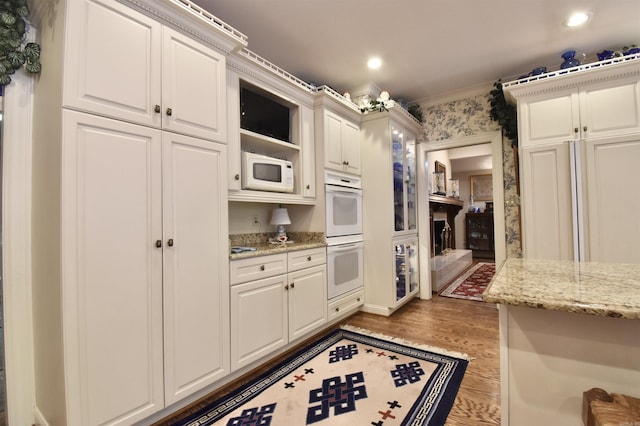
(576, 130)
(158, 243)
(358, 299)
(584, 129)
(170, 242)
(286, 287)
(262, 267)
(156, 108)
(237, 177)
(344, 163)
(309, 258)
(308, 186)
(293, 285)
(337, 309)
(169, 111)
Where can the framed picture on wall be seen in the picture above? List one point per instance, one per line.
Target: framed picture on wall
(440, 179)
(481, 187)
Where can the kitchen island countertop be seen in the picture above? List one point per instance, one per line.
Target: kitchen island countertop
(604, 289)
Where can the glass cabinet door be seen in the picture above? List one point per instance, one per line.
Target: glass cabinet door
(410, 151)
(401, 271)
(406, 268)
(412, 261)
(397, 140)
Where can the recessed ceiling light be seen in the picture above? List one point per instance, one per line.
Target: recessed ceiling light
(577, 19)
(374, 63)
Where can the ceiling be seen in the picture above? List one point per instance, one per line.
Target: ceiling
(431, 49)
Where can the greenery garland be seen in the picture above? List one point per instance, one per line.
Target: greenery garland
(13, 52)
(505, 114)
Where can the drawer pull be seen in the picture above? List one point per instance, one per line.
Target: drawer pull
(358, 299)
(262, 267)
(337, 309)
(309, 258)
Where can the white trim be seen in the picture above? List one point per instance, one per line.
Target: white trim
(495, 139)
(16, 249)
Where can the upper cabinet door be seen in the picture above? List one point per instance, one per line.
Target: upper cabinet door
(610, 109)
(112, 64)
(549, 119)
(351, 147)
(193, 88)
(333, 141)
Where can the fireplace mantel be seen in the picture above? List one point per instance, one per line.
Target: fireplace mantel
(447, 201)
(449, 205)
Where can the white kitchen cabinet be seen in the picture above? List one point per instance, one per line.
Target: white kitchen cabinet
(123, 64)
(196, 292)
(604, 109)
(143, 263)
(579, 144)
(270, 309)
(342, 306)
(389, 199)
(244, 73)
(338, 130)
(258, 319)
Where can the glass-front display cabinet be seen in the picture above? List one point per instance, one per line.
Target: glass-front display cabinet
(406, 267)
(404, 179)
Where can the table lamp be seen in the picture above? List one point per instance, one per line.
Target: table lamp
(280, 217)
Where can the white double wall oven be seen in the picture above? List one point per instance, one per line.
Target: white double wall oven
(345, 248)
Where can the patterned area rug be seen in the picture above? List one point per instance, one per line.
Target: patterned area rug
(471, 283)
(349, 377)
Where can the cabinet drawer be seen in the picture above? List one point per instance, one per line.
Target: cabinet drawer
(345, 305)
(306, 258)
(256, 268)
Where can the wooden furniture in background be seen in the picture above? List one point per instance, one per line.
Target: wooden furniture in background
(479, 228)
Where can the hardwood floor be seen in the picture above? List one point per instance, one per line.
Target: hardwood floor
(454, 324)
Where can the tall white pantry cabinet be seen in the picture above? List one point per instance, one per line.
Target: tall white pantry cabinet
(579, 136)
(130, 212)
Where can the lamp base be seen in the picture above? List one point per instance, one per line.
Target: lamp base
(281, 235)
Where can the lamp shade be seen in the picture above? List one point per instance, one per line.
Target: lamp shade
(280, 216)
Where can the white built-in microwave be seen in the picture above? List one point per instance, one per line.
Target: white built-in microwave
(263, 173)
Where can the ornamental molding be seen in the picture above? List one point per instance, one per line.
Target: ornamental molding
(570, 78)
(192, 20)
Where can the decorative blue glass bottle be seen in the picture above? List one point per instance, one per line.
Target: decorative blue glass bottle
(569, 59)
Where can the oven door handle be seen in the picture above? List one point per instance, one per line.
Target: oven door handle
(344, 247)
(343, 189)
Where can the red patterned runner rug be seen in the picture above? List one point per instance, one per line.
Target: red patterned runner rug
(348, 377)
(472, 283)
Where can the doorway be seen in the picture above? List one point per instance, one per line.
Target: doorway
(427, 161)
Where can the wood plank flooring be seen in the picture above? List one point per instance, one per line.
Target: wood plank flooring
(454, 324)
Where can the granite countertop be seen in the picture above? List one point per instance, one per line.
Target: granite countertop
(298, 241)
(604, 289)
